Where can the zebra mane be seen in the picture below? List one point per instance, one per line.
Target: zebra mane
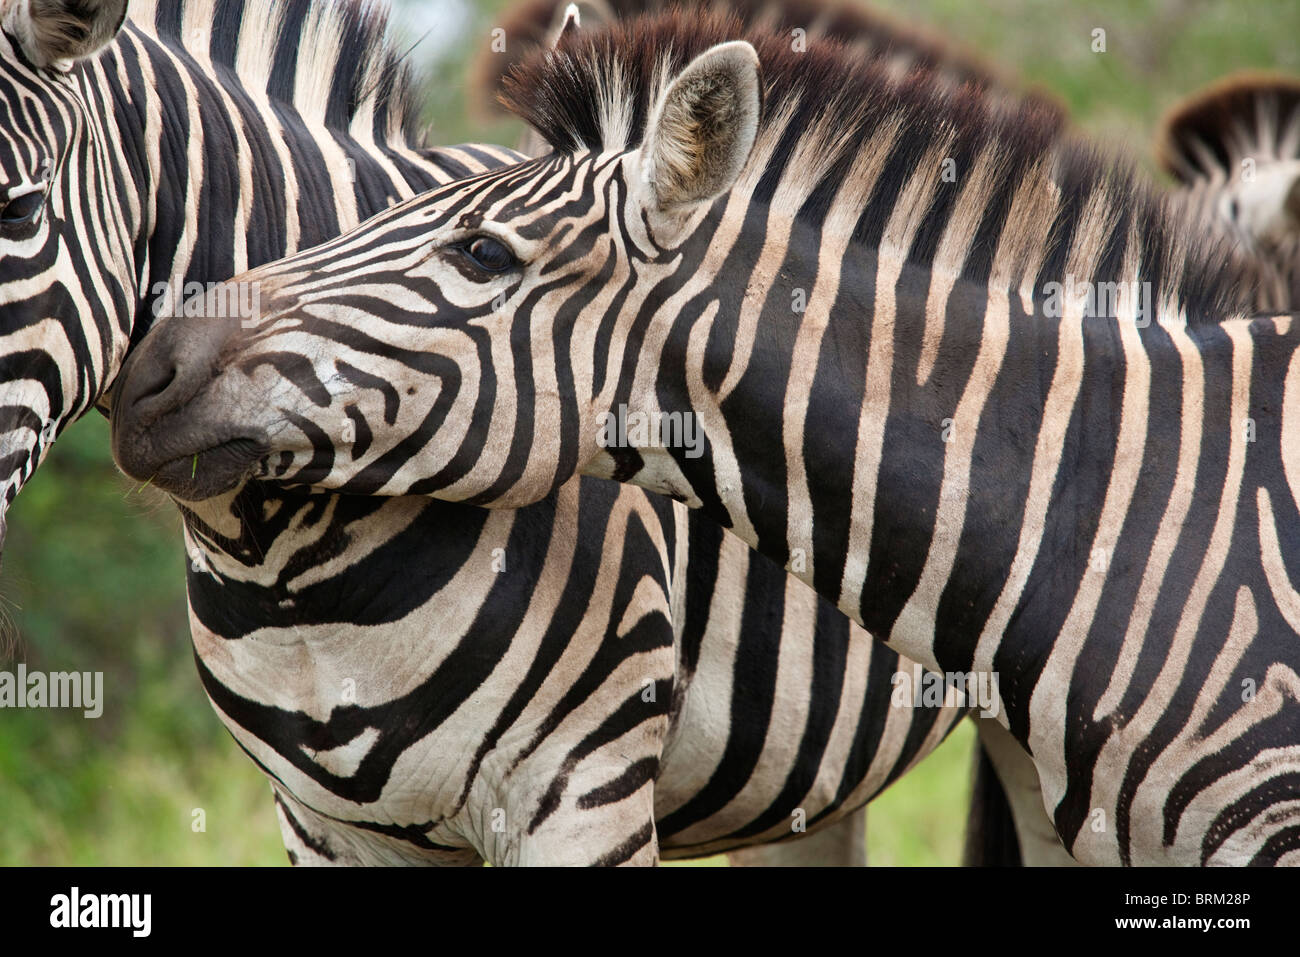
(1060, 204)
(332, 60)
(1245, 115)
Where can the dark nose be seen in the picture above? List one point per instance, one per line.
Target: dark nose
(172, 365)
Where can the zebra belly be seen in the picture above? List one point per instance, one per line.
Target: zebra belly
(787, 724)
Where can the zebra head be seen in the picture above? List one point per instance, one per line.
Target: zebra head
(65, 254)
(597, 310)
(435, 308)
(1235, 150)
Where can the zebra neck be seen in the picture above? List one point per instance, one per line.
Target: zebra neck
(228, 179)
(953, 486)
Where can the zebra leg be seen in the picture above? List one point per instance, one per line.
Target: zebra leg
(601, 815)
(990, 828)
(312, 840)
(842, 844)
(1039, 844)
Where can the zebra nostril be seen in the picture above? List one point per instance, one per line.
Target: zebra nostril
(160, 385)
(170, 366)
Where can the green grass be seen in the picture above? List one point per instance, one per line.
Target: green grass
(103, 791)
(921, 820)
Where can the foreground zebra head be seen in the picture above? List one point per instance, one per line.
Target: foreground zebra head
(453, 271)
(55, 247)
(478, 343)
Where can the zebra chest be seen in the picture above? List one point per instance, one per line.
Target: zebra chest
(462, 718)
(351, 719)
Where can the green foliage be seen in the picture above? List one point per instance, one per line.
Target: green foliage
(921, 819)
(93, 578)
(93, 568)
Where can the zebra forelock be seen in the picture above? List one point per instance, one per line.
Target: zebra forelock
(596, 91)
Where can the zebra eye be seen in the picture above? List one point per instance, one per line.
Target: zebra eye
(489, 254)
(23, 209)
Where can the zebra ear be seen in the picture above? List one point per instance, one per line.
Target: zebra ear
(57, 32)
(582, 16)
(702, 129)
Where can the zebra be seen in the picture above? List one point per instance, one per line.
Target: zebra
(619, 612)
(1234, 148)
(118, 145)
(894, 45)
(1005, 793)
(1253, 109)
(899, 47)
(959, 438)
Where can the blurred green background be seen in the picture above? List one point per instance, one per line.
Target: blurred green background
(93, 568)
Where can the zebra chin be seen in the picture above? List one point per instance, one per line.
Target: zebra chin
(200, 470)
(211, 472)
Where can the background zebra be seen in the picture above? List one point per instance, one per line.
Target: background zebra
(896, 46)
(152, 161)
(1235, 147)
(973, 556)
(299, 615)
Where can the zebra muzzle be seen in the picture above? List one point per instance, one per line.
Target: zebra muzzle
(171, 427)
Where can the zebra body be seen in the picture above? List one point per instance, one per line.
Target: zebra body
(523, 792)
(399, 689)
(167, 167)
(1103, 528)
